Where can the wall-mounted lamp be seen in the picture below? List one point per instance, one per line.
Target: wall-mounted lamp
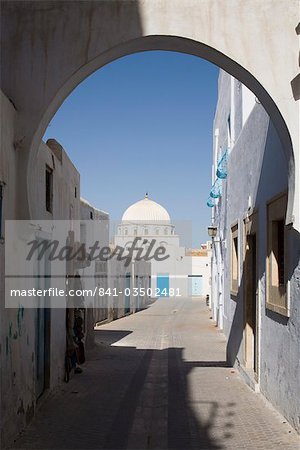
(212, 231)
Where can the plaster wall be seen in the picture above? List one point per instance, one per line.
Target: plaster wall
(139, 273)
(258, 171)
(176, 266)
(50, 47)
(66, 206)
(116, 281)
(79, 38)
(248, 103)
(201, 265)
(142, 281)
(19, 325)
(16, 401)
(94, 227)
(66, 202)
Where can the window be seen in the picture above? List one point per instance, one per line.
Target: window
(234, 260)
(157, 231)
(146, 231)
(166, 231)
(75, 192)
(91, 215)
(126, 232)
(277, 256)
(135, 232)
(49, 189)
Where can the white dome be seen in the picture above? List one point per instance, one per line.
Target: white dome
(146, 211)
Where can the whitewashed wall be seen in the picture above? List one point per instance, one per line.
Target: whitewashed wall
(18, 325)
(257, 171)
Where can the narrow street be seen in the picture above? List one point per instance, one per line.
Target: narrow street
(158, 380)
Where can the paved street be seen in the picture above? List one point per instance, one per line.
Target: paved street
(158, 380)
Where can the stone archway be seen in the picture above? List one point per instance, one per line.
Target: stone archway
(51, 46)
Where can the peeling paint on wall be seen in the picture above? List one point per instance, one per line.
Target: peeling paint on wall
(11, 334)
(21, 409)
(29, 413)
(6, 346)
(20, 316)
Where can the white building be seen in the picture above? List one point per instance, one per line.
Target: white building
(179, 273)
(128, 286)
(150, 223)
(94, 227)
(199, 281)
(33, 339)
(255, 270)
(115, 281)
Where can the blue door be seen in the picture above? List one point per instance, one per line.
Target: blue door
(195, 285)
(163, 284)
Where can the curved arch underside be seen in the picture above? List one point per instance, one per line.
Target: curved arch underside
(53, 46)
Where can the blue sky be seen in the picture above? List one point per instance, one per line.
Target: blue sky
(144, 124)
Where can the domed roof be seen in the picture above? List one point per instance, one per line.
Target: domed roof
(146, 211)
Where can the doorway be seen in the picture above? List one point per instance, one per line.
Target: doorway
(195, 285)
(163, 284)
(251, 297)
(42, 342)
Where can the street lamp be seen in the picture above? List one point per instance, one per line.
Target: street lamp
(212, 231)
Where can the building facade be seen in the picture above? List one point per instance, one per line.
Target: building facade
(33, 339)
(121, 288)
(150, 223)
(180, 272)
(199, 281)
(94, 227)
(255, 255)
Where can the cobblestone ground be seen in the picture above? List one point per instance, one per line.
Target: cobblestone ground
(158, 380)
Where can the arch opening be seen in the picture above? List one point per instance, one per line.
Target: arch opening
(181, 45)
